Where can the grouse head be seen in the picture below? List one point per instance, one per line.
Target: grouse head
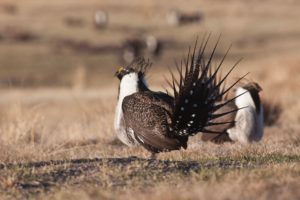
(138, 67)
(132, 77)
(122, 71)
(253, 88)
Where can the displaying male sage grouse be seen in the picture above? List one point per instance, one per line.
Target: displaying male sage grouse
(160, 122)
(249, 121)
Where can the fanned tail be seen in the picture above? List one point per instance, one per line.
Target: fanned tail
(198, 90)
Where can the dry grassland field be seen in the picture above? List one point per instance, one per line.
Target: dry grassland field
(58, 96)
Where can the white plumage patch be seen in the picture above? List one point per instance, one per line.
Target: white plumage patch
(249, 126)
(141, 139)
(128, 86)
(245, 99)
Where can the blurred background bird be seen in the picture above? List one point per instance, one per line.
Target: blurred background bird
(248, 122)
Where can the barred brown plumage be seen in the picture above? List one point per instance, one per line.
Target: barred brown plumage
(160, 122)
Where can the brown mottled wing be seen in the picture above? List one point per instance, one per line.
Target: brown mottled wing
(216, 137)
(149, 117)
(166, 101)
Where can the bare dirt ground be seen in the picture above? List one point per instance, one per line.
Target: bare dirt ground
(57, 103)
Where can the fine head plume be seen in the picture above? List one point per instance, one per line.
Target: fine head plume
(140, 65)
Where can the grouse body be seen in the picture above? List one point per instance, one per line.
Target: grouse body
(248, 122)
(161, 122)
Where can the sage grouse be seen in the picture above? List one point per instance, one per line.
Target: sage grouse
(176, 18)
(100, 19)
(249, 121)
(160, 122)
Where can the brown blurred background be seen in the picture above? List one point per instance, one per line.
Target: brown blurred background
(68, 43)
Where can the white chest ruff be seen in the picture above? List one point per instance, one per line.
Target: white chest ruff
(249, 123)
(128, 86)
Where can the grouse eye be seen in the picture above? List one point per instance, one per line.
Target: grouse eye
(122, 72)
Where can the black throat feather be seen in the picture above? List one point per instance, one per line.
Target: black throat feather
(256, 99)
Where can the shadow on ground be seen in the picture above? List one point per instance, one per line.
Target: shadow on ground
(35, 177)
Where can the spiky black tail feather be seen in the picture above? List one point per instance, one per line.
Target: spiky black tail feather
(197, 91)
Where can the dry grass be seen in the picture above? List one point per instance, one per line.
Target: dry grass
(63, 148)
(57, 139)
